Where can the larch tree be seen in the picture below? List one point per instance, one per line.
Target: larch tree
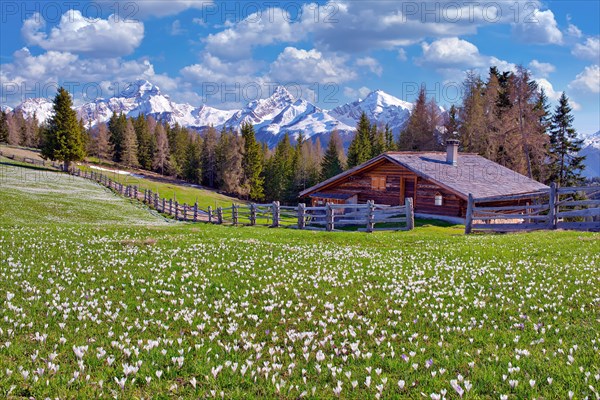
(3, 127)
(63, 140)
(418, 135)
(130, 146)
(160, 162)
(566, 166)
(230, 149)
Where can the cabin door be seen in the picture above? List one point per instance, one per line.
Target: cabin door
(407, 189)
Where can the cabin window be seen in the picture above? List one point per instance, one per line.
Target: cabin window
(378, 182)
(438, 199)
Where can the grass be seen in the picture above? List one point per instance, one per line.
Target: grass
(183, 194)
(200, 311)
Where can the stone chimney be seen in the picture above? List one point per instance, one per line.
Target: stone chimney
(452, 151)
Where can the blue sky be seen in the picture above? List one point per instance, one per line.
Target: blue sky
(228, 53)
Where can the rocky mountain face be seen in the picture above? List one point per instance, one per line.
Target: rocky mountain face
(591, 151)
(272, 117)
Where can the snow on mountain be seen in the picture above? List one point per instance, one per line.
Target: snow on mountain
(379, 107)
(271, 117)
(5, 109)
(41, 108)
(591, 151)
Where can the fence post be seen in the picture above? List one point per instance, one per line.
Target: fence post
(163, 205)
(176, 210)
(276, 214)
(301, 216)
(135, 192)
(410, 214)
(234, 214)
(252, 214)
(170, 206)
(210, 215)
(552, 207)
(156, 201)
(219, 215)
(329, 217)
(185, 211)
(196, 212)
(371, 216)
(469, 217)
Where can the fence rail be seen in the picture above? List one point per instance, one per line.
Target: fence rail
(576, 208)
(365, 217)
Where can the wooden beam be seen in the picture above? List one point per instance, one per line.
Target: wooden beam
(415, 192)
(402, 190)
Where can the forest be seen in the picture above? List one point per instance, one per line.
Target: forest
(504, 117)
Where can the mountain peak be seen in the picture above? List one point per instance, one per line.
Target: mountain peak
(281, 92)
(383, 99)
(140, 88)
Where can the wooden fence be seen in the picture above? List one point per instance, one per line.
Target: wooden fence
(576, 208)
(368, 217)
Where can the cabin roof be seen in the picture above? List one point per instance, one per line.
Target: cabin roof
(472, 174)
(337, 196)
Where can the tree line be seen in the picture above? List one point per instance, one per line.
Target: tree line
(505, 118)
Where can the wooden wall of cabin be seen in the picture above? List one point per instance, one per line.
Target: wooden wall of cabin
(360, 184)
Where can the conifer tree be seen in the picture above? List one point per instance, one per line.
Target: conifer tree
(566, 166)
(390, 145)
(116, 127)
(230, 150)
(3, 127)
(102, 143)
(360, 149)
(252, 163)
(279, 170)
(209, 158)
(420, 129)
(331, 165)
(160, 162)
(146, 144)
(63, 140)
(192, 171)
(129, 146)
(378, 144)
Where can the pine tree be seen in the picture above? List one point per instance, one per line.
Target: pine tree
(378, 144)
(116, 127)
(420, 129)
(331, 164)
(63, 140)
(102, 145)
(209, 158)
(160, 161)
(390, 144)
(360, 149)
(146, 144)
(129, 146)
(3, 127)
(452, 124)
(566, 166)
(192, 170)
(279, 170)
(473, 125)
(252, 163)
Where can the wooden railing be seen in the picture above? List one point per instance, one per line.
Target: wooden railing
(368, 217)
(575, 208)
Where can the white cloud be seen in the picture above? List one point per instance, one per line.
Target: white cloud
(574, 31)
(200, 22)
(37, 76)
(309, 66)
(539, 28)
(402, 55)
(258, 29)
(451, 51)
(212, 69)
(176, 28)
(590, 50)
(588, 80)
(354, 94)
(153, 8)
(553, 94)
(370, 63)
(99, 38)
(541, 69)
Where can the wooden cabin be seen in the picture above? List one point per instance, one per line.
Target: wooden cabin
(439, 183)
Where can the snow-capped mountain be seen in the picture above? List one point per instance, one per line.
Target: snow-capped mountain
(281, 113)
(5, 109)
(271, 117)
(142, 97)
(42, 109)
(378, 106)
(591, 151)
